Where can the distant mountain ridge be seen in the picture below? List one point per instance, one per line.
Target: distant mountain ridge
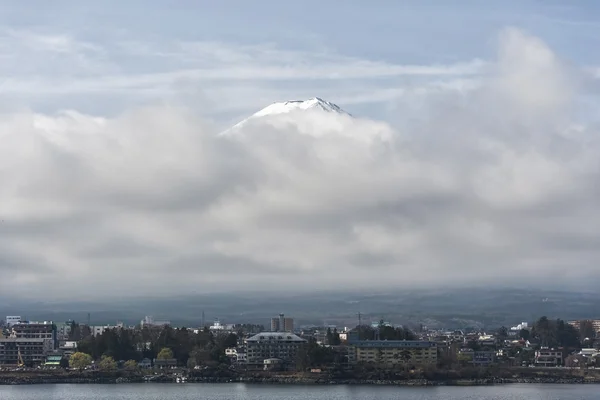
(448, 308)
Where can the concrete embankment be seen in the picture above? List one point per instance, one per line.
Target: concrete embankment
(107, 378)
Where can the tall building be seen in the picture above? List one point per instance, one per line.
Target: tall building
(29, 351)
(595, 324)
(45, 330)
(282, 324)
(282, 346)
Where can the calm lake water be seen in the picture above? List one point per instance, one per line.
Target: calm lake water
(149, 391)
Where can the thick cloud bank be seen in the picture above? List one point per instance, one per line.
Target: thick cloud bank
(495, 184)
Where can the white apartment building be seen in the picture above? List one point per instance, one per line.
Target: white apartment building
(12, 320)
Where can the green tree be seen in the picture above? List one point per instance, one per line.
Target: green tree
(80, 360)
(165, 353)
(524, 334)
(131, 365)
(107, 363)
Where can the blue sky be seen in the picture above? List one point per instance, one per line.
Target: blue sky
(232, 57)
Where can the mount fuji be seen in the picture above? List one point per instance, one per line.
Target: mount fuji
(314, 117)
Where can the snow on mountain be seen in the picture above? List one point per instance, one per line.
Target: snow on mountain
(290, 110)
(314, 103)
(313, 117)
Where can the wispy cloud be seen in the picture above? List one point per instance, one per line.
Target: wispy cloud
(65, 66)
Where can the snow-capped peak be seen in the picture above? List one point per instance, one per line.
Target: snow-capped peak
(292, 105)
(288, 110)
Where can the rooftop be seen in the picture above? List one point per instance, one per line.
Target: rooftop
(22, 340)
(394, 343)
(276, 336)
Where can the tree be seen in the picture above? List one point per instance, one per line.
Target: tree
(502, 333)
(131, 365)
(80, 360)
(329, 337)
(107, 363)
(406, 356)
(524, 334)
(165, 353)
(555, 333)
(336, 337)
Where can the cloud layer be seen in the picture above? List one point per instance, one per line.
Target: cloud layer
(493, 184)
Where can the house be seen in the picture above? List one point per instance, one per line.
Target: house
(231, 352)
(165, 363)
(546, 357)
(145, 363)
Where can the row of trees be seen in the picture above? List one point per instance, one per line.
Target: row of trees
(555, 333)
(385, 332)
(182, 344)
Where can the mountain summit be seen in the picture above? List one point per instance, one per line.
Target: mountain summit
(313, 117)
(312, 108)
(292, 105)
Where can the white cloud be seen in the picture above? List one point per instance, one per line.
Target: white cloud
(488, 184)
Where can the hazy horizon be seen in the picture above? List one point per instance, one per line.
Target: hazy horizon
(472, 158)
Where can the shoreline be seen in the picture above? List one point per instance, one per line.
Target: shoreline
(40, 380)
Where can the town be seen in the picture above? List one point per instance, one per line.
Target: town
(378, 349)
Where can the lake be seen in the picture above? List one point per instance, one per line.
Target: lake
(189, 391)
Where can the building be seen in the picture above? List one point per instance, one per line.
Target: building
(273, 364)
(577, 324)
(268, 345)
(231, 352)
(36, 330)
(53, 361)
(391, 352)
(241, 357)
(217, 327)
(548, 357)
(165, 363)
(30, 352)
(479, 358)
(12, 319)
(97, 330)
(67, 348)
(282, 324)
(149, 321)
(522, 325)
